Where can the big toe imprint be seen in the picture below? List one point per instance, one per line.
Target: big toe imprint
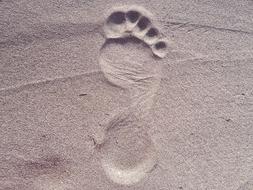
(130, 59)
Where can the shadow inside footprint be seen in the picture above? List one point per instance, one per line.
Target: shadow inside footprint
(124, 41)
(160, 45)
(133, 16)
(152, 32)
(143, 23)
(117, 18)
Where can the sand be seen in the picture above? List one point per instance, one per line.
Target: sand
(126, 95)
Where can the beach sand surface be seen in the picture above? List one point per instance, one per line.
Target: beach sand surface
(88, 101)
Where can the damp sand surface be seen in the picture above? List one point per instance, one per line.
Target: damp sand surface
(126, 95)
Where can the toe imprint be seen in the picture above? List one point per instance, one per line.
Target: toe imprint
(152, 32)
(129, 59)
(115, 25)
(151, 36)
(160, 48)
(135, 22)
(143, 23)
(132, 16)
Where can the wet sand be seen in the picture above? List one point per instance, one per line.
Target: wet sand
(87, 102)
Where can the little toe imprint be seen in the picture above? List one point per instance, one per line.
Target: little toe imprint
(160, 48)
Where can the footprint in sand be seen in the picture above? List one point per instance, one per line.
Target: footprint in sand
(130, 59)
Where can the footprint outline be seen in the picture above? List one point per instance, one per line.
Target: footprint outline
(136, 25)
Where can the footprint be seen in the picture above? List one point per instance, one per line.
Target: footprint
(130, 59)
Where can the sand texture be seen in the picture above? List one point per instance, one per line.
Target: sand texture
(126, 95)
